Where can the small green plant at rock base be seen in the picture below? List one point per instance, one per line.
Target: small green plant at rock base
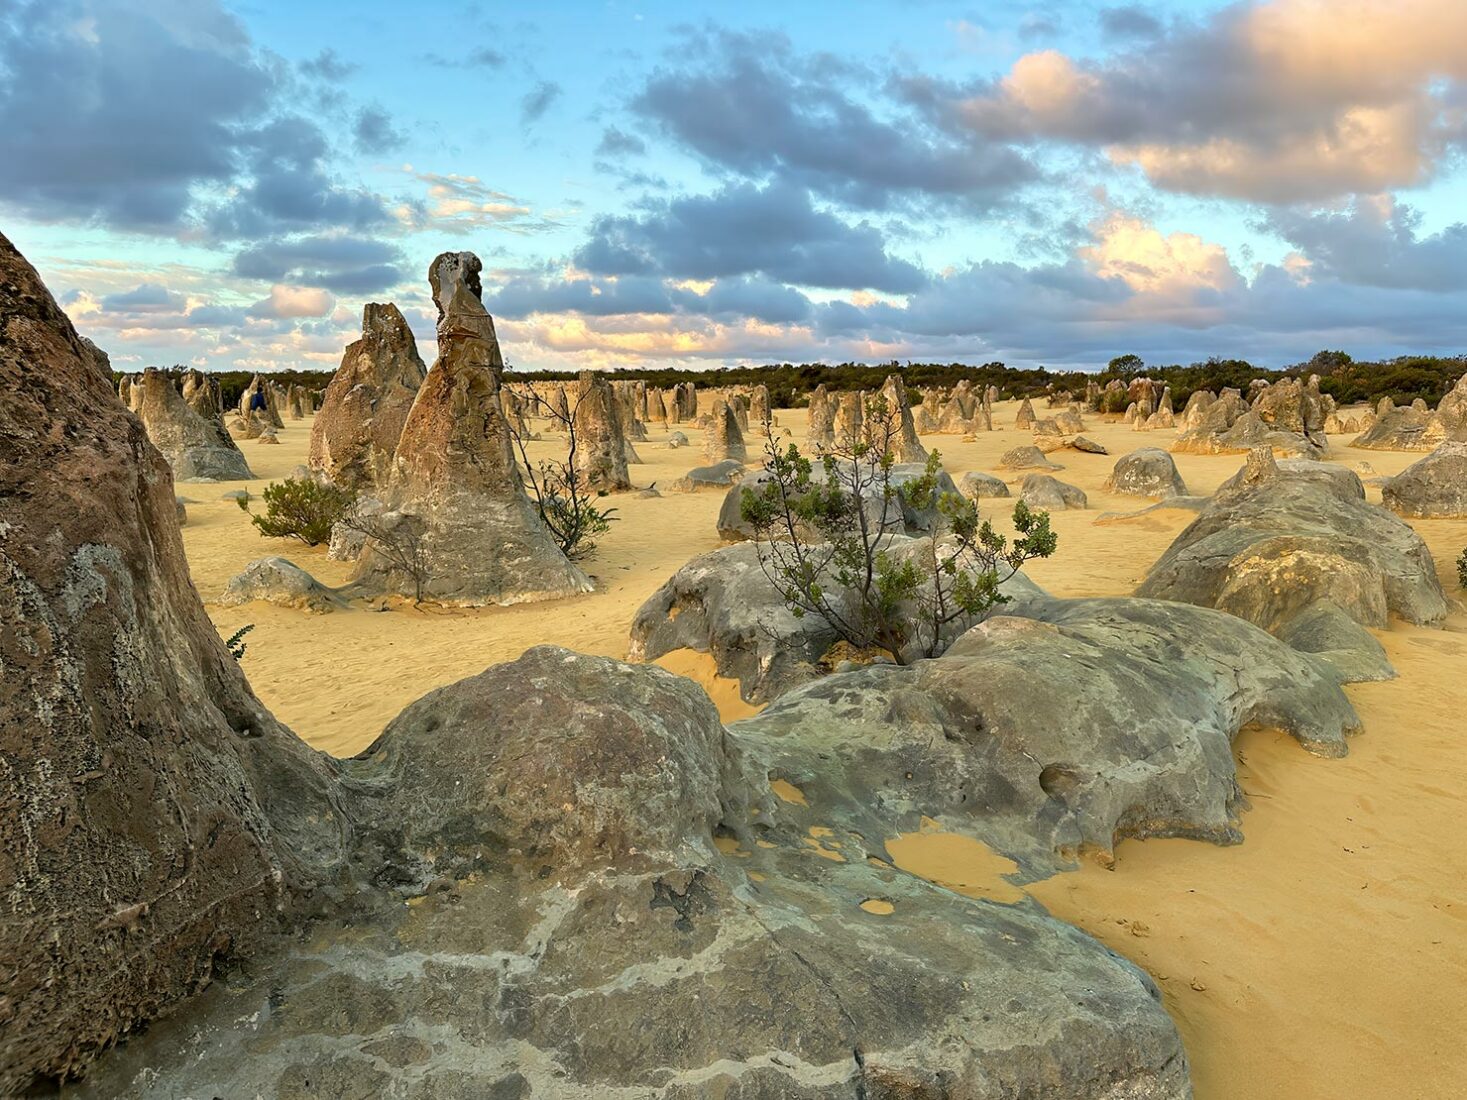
(1462, 570)
(304, 510)
(830, 555)
(235, 643)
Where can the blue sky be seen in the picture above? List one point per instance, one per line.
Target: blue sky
(225, 184)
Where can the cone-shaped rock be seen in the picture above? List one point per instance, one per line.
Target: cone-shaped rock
(355, 434)
(723, 440)
(192, 445)
(454, 478)
(601, 449)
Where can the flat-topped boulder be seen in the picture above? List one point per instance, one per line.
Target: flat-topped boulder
(1031, 731)
(1026, 457)
(1041, 491)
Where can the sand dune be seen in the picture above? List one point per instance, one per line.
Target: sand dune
(1323, 957)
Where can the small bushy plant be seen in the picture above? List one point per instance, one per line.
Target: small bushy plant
(303, 509)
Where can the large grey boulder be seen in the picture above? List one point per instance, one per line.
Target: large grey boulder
(1055, 727)
(1396, 429)
(1274, 542)
(571, 929)
(1434, 487)
(279, 581)
(1149, 472)
(1044, 492)
(715, 478)
(1026, 457)
(976, 486)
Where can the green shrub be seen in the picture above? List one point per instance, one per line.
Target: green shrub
(304, 510)
(235, 643)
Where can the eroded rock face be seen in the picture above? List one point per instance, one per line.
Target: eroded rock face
(976, 485)
(1275, 542)
(192, 445)
(820, 424)
(898, 433)
(1394, 429)
(158, 820)
(454, 472)
(1149, 472)
(367, 402)
(1025, 417)
(1040, 491)
(1041, 767)
(723, 441)
(1435, 487)
(533, 904)
(279, 581)
(601, 448)
(581, 934)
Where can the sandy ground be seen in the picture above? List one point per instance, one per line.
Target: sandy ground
(1324, 957)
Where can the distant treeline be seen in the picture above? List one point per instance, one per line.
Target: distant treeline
(1402, 379)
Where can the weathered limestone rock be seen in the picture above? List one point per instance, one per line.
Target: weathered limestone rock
(367, 402)
(1197, 405)
(1229, 426)
(759, 411)
(279, 581)
(850, 414)
(1149, 472)
(1027, 457)
(1434, 487)
(158, 821)
(586, 791)
(601, 449)
(723, 442)
(1394, 429)
(1024, 418)
(454, 472)
(898, 432)
(676, 440)
(820, 425)
(201, 393)
(1126, 732)
(193, 447)
(1277, 542)
(715, 478)
(1041, 491)
(977, 486)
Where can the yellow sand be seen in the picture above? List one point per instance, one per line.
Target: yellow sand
(1326, 957)
(960, 863)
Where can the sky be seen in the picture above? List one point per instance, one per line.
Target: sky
(225, 183)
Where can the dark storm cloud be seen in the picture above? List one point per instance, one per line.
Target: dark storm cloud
(751, 105)
(773, 231)
(1375, 243)
(123, 112)
(343, 264)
